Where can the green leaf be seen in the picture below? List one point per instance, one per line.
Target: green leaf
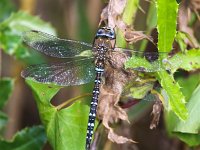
(140, 92)
(11, 31)
(22, 21)
(190, 60)
(6, 86)
(180, 38)
(187, 130)
(6, 8)
(28, 139)
(188, 84)
(167, 16)
(176, 100)
(162, 63)
(189, 138)
(65, 128)
(142, 63)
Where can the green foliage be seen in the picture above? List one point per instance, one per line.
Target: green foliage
(139, 92)
(6, 9)
(176, 99)
(64, 127)
(190, 60)
(187, 130)
(11, 30)
(188, 84)
(3, 121)
(167, 15)
(27, 139)
(180, 40)
(12, 26)
(6, 86)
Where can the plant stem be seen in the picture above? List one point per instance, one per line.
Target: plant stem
(71, 100)
(128, 18)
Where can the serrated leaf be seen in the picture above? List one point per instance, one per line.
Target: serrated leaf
(167, 16)
(28, 139)
(190, 60)
(187, 130)
(176, 99)
(65, 128)
(139, 62)
(10, 36)
(6, 87)
(161, 64)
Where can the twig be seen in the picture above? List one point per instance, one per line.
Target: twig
(71, 100)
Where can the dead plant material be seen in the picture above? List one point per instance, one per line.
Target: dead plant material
(113, 13)
(186, 7)
(135, 36)
(118, 139)
(195, 6)
(157, 109)
(108, 110)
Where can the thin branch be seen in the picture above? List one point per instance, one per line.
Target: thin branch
(72, 100)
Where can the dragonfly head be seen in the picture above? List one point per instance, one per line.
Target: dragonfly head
(106, 32)
(105, 36)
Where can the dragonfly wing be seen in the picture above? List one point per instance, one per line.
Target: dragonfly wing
(62, 74)
(53, 46)
(145, 61)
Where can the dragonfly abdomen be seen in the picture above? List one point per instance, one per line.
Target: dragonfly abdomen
(93, 107)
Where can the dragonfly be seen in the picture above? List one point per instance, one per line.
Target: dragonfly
(88, 63)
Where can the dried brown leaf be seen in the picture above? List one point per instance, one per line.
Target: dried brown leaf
(156, 112)
(118, 139)
(104, 15)
(112, 12)
(195, 4)
(184, 18)
(134, 36)
(115, 79)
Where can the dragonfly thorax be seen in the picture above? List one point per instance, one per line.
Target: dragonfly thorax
(101, 47)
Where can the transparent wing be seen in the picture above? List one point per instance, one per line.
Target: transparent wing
(53, 46)
(148, 61)
(64, 74)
